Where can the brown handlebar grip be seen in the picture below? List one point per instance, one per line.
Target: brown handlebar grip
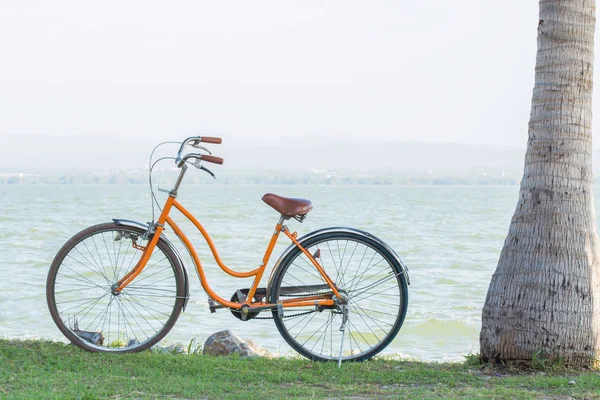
(212, 159)
(208, 139)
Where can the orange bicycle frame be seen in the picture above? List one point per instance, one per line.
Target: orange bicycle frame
(317, 300)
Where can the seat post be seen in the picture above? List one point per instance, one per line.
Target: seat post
(281, 220)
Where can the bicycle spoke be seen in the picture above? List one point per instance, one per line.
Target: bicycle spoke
(145, 307)
(311, 317)
(136, 320)
(84, 278)
(79, 305)
(325, 339)
(146, 277)
(312, 270)
(337, 271)
(329, 320)
(157, 302)
(348, 265)
(69, 291)
(154, 295)
(126, 322)
(380, 293)
(117, 257)
(144, 289)
(395, 305)
(375, 320)
(389, 275)
(109, 313)
(316, 330)
(98, 317)
(91, 255)
(359, 333)
(351, 337)
(362, 275)
(118, 275)
(140, 314)
(372, 311)
(107, 251)
(342, 269)
(86, 300)
(299, 321)
(96, 269)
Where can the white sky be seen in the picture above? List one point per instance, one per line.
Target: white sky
(428, 70)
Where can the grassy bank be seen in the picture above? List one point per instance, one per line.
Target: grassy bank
(35, 369)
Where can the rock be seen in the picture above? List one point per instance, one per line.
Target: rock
(176, 349)
(157, 349)
(171, 349)
(224, 343)
(572, 382)
(257, 349)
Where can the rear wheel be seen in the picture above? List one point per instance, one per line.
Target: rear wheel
(374, 297)
(84, 306)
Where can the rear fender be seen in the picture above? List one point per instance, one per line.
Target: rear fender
(126, 222)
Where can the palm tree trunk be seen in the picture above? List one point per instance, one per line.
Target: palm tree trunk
(544, 297)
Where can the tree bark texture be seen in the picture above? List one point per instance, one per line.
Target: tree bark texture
(544, 297)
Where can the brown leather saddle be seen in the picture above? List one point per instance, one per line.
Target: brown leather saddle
(288, 207)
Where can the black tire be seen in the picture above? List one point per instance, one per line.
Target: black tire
(366, 272)
(82, 305)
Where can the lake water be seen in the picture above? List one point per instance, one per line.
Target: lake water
(450, 238)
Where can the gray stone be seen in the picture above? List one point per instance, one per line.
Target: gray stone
(171, 349)
(225, 343)
(157, 349)
(177, 349)
(257, 349)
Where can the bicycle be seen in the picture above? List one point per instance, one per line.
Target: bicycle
(334, 294)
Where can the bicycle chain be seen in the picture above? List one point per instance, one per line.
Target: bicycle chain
(288, 316)
(294, 315)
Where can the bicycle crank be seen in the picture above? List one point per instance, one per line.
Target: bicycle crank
(240, 296)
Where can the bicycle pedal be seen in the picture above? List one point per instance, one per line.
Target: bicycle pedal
(212, 306)
(280, 309)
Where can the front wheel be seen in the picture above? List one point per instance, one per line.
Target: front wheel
(369, 278)
(80, 295)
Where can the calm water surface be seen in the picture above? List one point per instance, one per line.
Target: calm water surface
(450, 238)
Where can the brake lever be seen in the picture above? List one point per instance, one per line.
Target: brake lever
(207, 170)
(196, 144)
(198, 165)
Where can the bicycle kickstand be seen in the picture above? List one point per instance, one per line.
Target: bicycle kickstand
(344, 309)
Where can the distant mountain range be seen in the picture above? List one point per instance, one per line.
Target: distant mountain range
(313, 152)
(282, 156)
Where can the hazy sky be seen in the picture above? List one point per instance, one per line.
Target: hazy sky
(428, 70)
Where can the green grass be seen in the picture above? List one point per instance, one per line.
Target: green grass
(38, 370)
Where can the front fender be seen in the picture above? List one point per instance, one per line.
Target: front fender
(127, 222)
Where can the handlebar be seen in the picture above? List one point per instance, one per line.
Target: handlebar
(194, 142)
(211, 159)
(213, 140)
